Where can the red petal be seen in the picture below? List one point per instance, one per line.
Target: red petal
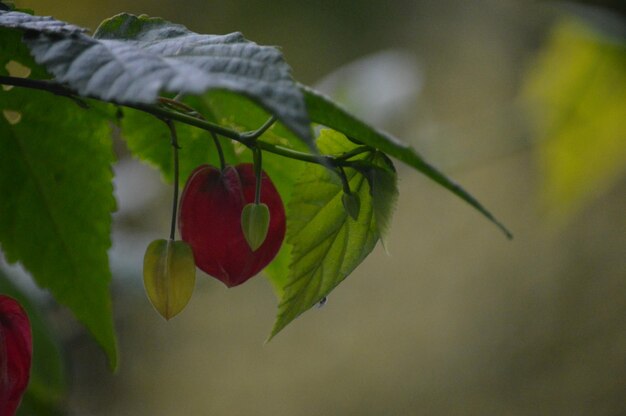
(16, 350)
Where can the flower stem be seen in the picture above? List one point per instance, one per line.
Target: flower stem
(220, 151)
(174, 139)
(258, 170)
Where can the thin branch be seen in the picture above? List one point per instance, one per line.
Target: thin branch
(259, 132)
(174, 140)
(195, 121)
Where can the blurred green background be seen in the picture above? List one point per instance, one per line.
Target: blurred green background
(524, 104)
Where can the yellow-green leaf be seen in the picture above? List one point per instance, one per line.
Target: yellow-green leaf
(577, 91)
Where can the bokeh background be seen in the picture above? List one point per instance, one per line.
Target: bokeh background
(524, 104)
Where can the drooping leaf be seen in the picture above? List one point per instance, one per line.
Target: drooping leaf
(577, 95)
(55, 213)
(383, 182)
(47, 385)
(131, 59)
(324, 111)
(326, 243)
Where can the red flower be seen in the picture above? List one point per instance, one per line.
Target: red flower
(16, 350)
(210, 222)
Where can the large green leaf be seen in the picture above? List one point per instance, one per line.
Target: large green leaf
(327, 244)
(56, 204)
(131, 59)
(577, 95)
(324, 111)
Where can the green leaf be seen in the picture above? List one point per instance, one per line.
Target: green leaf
(47, 386)
(326, 243)
(132, 59)
(577, 95)
(322, 110)
(55, 213)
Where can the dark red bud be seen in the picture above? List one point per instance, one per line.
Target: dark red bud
(16, 350)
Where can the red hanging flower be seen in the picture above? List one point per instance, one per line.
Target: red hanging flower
(210, 221)
(16, 350)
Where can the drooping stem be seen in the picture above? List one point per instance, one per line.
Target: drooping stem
(174, 140)
(220, 151)
(258, 172)
(354, 152)
(344, 179)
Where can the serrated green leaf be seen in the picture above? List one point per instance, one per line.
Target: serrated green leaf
(326, 243)
(131, 59)
(577, 95)
(324, 111)
(55, 210)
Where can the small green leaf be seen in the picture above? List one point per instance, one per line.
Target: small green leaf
(255, 221)
(169, 276)
(324, 111)
(352, 204)
(326, 244)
